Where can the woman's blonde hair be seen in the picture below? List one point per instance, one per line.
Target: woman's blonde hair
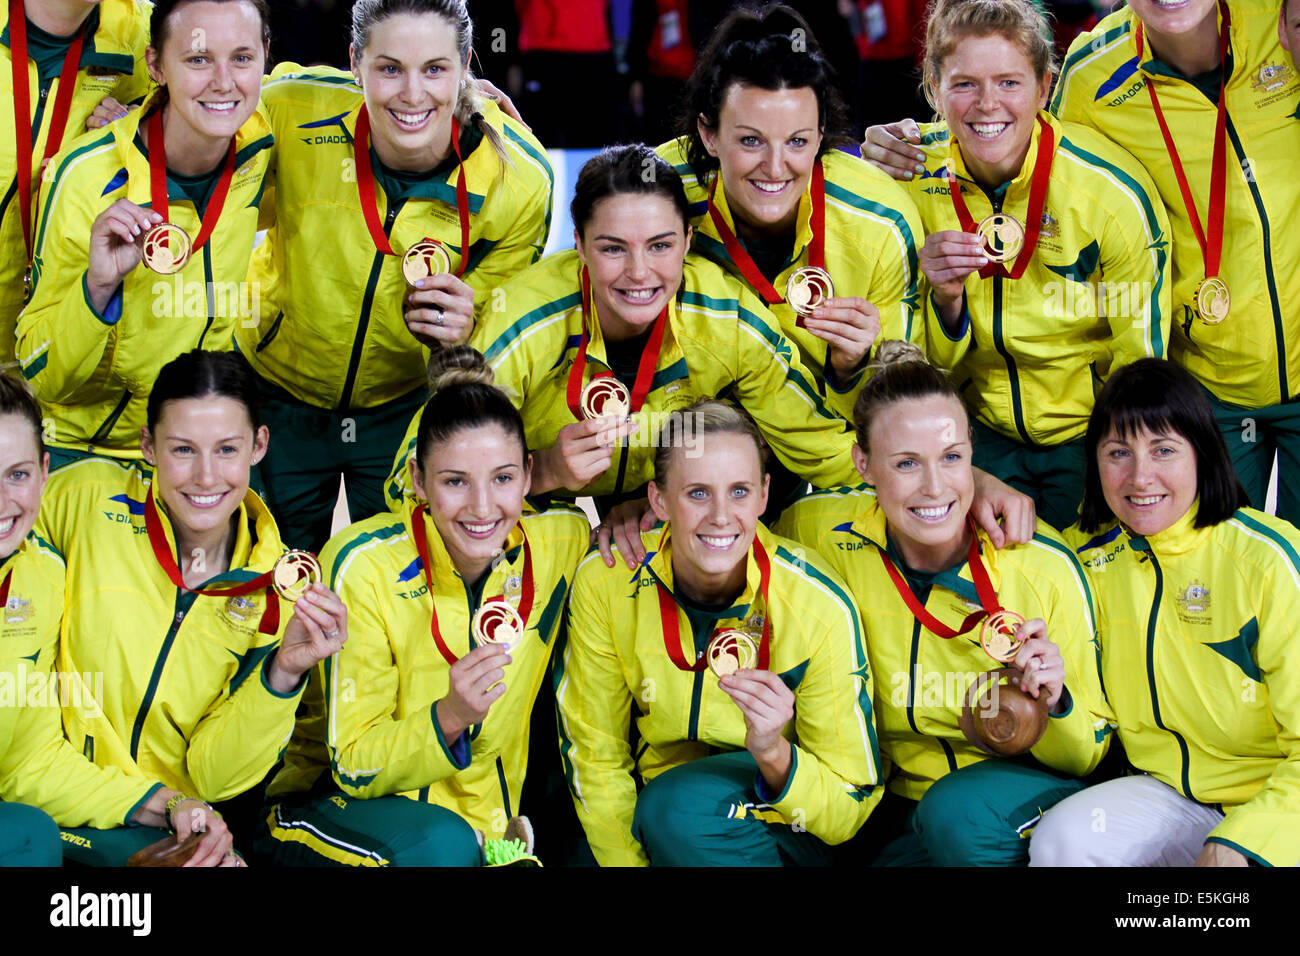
(1023, 22)
(707, 416)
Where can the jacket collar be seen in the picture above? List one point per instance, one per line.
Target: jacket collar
(111, 36)
(1020, 184)
(1154, 67)
(658, 564)
(596, 349)
(803, 222)
(1179, 538)
(257, 539)
(444, 571)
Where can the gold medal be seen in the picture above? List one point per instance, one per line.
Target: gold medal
(424, 259)
(166, 249)
(731, 650)
(1002, 235)
(1212, 300)
(808, 288)
(496, 622)
(998, 635)
(605, 396)
(294, 572)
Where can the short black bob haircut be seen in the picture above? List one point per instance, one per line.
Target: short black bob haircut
(1162, 397)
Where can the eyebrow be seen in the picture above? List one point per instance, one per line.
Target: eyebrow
(662, 235)
(803, 129)
(192, 441)
(436, 59)
(458, 471)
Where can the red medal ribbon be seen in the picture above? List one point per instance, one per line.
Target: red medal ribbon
(983, 587)
(1211, 245)
(270, 622)
(22, 108)
(370, 202)
(421, 538)
(645, 370)
(745, 262)
(668, 612)
(1037, 201)
(4, 588)
(158, 182)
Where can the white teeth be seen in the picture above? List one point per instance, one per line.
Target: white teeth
(7, 525)
(479, 528)
(932, 512)
(220, 107)
(411, 119)
(989, 130)
(768, 187)
(719, 542)
(204, 500)
(1148, 500)
(640, 295)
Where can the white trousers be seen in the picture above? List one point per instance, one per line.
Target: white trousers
(1131, 821)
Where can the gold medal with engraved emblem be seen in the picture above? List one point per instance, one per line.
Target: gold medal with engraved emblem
(294, 572)
(1212, 300)
(1003, 236)
(808, 288)
(424, 259)
(496, 622)
(998, 635)
(605, 396)
(165, 249)
(731, 650)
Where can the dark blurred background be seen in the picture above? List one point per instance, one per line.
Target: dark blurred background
(586, 73)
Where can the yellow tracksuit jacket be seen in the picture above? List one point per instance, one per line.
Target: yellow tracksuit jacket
(614, 660)
(37, 764)
(185, 697)
(1201, 664)
(376, 713)
(93, 372)
(1252, 358)
(112, 64)
(1031, 352)
(922, 679)
(325, 289)
(873, 237)
(720, 341)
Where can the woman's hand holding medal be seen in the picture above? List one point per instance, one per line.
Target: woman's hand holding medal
(115, 248)
(318, 628)
(947, 258)
(1039, 659)
(474, 684)
(851, 325)
(582, 452)
(439, 310)
(767, 705)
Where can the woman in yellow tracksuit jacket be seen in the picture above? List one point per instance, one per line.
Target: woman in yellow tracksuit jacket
(1250, 360)
(100, 324)
(424, 741)
(1198, 597)
(41, 775)
(717, 337)
(170, 599)
(765, 110)
(798, 768)
(1028, 347)
(331, 273)
(957, 806)
(113, 37)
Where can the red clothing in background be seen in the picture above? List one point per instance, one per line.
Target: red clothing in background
(563, 26)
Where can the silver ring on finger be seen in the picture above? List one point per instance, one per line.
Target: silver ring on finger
(332, 634)
(437, 319)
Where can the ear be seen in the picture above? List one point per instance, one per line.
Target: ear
(45, 468)
(767, 486)
(151, 58)
(417, 479)
(861, 463)
(690, 236)
(1045, 88)
(146, 444)
(261, 441)
(528, 474)
(657, 503)
(1281, 29)
(577, 244)
(707, 136)
(354, 63)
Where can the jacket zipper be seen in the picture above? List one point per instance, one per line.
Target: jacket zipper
(367, 303)
(1017, 410)
(1151, 674)
(182, 606)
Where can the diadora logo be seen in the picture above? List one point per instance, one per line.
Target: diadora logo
(338, 133)
(410, 572)
(1117, 79)
(133, 507)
